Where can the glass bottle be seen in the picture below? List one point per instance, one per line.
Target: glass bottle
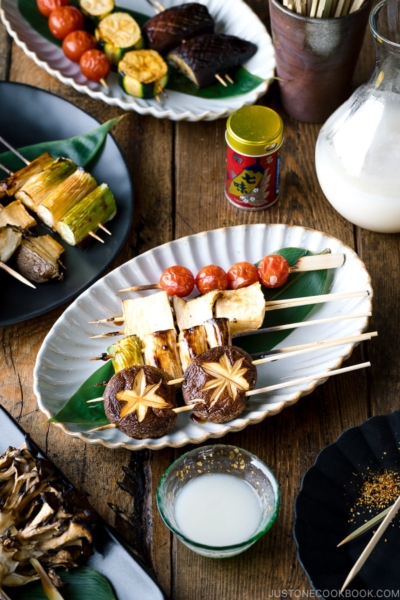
(358, 149)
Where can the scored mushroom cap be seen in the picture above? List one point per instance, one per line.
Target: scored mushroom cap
(139, 401)
(216, 382)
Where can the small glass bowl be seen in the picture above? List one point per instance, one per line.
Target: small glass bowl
(225, 459)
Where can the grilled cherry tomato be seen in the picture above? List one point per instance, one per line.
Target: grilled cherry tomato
(211, 278)
(94, 65)
(76, 43)
(177, 281)
(242, 274)
(273, 270)
(46, 6)
(65, 19)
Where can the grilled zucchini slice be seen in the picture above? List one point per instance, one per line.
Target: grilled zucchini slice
(96, 9)
(143, 73)
(117, 34)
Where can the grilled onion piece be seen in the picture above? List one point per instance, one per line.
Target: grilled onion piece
(170, 27)
(204, 56)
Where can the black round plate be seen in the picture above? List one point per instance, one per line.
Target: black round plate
(28, 116)
(322, 511)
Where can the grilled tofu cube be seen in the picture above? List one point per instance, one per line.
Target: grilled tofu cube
(194, 312)
(147, 314)
(245, 308)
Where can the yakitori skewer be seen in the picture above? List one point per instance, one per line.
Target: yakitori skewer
(372, 543)
(254, 392)
(272, 305)
(90, 193)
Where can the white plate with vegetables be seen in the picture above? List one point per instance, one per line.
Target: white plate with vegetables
(63, 363)
(182, 102)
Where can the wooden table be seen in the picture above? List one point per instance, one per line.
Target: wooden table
(181, 194)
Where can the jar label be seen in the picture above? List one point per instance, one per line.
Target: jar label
(252, 182)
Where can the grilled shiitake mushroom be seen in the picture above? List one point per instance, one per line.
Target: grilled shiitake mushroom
(172, 26)
(216, 383)
(204, 56)
(140, 402)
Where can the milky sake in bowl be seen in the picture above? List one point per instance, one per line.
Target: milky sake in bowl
(218, 500)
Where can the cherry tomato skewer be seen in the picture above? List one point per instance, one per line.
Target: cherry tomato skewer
(211, 278)
(242, 274)
(176, 281)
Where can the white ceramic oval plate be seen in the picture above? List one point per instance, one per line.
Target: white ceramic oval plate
(63, 362)
(233, 17)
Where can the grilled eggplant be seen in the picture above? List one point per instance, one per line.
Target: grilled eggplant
(172, 26)
(143, 73)
(204, 56)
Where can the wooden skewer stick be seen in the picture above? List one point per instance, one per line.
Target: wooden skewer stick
(13, 273)
(229, 78)
(365, 527)
(104, 229)
(96, 237)
(5, 169)
(103, 428)
(372, 543)
(302, 349)
(163, 92)
(14, 151)
(280, 304)
(157, 97)
(103, 83)
(156, 5)
(219, 78)
(280, 386)
(306, 263)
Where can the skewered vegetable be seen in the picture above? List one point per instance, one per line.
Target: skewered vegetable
(273, 270)
(191, 343)
(172, 26)
(160, 350)
(140, 402)
(126, 353)
(117, 33)
(11, 185)
(204, 56)
(96, 208)
(177, 281)
(10, 239)
(65, 19)
(46, 6)
(218, 332)
(143, 73)
(65, 196)
(216, 382)
(38, 187)
(15, 214)
(94, 65)
(96, 9)
(42, 518)
(77, 43)
(242, 274)
(210, 278)
(38, 258)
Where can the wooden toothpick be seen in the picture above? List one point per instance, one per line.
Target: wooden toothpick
(16, 275)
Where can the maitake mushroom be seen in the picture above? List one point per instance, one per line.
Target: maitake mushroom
(43, 520)
(216, 383)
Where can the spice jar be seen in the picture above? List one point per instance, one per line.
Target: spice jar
(254, 137)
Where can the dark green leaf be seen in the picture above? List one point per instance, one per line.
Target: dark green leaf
(311, 283)
(244, 81)
(81, 149)
(84, 583)
(77, 410)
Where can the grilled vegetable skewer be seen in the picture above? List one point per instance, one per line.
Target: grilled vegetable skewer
(143, 73)
(117, 33)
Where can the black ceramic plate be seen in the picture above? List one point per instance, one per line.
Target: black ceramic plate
(129, 579)
(28, 116)
(322, 511)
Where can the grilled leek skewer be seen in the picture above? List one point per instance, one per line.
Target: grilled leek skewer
(118, 33)
(11, 185)
(84, 218)
(38, 187)
(143, 73)
(126, 353)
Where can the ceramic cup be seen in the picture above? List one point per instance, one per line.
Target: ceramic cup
(221, 459)
(315, 59)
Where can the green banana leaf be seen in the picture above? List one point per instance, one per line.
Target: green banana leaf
(309, 283)
(84, 583)
(244, 81)
(82, 149)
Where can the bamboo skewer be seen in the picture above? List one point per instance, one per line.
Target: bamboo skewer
(272, 305)
(372, 543)
(365, 527)
(221, 80)
(27, 162)
(5, 169)
(16, 275)
(306, 263)
(323, 9)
